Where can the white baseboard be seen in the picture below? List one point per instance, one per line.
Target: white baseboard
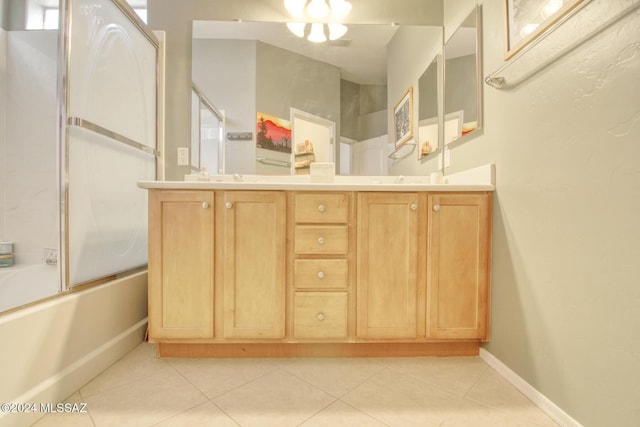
(537, 398)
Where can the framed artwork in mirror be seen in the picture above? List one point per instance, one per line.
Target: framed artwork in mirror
(526, 20)
(403, 118)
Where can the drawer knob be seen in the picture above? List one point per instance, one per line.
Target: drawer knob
(320, 317)
(228, 205)
(320, 274)
(436, 208)
(205, 205)
(414, 207)
(321, 240)
(322, 208)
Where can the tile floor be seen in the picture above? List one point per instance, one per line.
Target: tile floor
(141, 390)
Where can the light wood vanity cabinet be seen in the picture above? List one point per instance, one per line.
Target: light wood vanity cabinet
(459, 263)
(322, 255)
(326, 268)
(388, 265)
(181, 264)
(252, 260)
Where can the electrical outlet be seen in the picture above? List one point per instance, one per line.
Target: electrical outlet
(447, 157)
(183, 156)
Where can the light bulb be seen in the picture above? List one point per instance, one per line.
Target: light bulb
(339, 9)
(551, 7)
(336, 31)
(527, 29)
(295, 7)
(317, 33)
(318, 9)
(297, 28)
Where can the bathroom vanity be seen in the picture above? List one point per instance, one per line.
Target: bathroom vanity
(281, 266)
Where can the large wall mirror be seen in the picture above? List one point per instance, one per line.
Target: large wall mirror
(267, 80)
(462, 81)
(429, 110)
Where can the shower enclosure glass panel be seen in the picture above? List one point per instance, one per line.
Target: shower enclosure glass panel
(111, 139)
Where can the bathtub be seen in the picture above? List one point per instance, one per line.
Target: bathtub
(23, 284)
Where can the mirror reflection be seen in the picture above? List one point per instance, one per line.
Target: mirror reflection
(207, 130)
(324, 102)
(428, 111)
(462, 68)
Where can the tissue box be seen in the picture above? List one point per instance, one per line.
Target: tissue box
(322, 172)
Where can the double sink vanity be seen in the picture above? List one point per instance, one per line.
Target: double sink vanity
(264, 266)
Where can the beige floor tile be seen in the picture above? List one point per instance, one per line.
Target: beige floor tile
(218, 376)
(455, 374)
(483, 416)
(335, 376)
(144, 402)
(140, 363)
(494, 391)
(399, 400)
(204, 415)
(340, 414)
(70, 419)
(278, 399)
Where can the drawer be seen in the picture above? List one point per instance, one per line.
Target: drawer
(321, 273)
(321, 239)
(320, 315)
(321, 208)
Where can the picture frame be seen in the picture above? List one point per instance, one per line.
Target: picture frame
(403, 118)
(526, 20)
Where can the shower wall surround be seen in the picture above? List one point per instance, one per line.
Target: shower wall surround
(31, 210)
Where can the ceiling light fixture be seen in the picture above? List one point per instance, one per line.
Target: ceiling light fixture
(318, 13)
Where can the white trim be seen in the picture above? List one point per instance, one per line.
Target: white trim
(537, 398)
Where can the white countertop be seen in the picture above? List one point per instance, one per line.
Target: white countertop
(477, 179)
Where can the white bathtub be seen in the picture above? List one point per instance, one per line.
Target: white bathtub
(23, 284)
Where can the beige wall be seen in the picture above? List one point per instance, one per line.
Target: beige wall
(566, 238)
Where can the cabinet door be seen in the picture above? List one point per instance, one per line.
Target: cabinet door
(387, 265)
(253, 223)
(181, 248)
(459, 262)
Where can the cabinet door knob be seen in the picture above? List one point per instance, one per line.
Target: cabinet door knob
(320, 317)
(228, 205)
(414, 207)
(205, 205)
(436, 208)
(322, 208)
(321, 240)
(320, 274)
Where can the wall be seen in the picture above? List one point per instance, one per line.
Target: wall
(363, 110)
(3, 133)
(4, 14)
(236, 96)
(285, 79)
(408, 58)
(31, 211)
(461, 69)
(566, 240)
(68, 340)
